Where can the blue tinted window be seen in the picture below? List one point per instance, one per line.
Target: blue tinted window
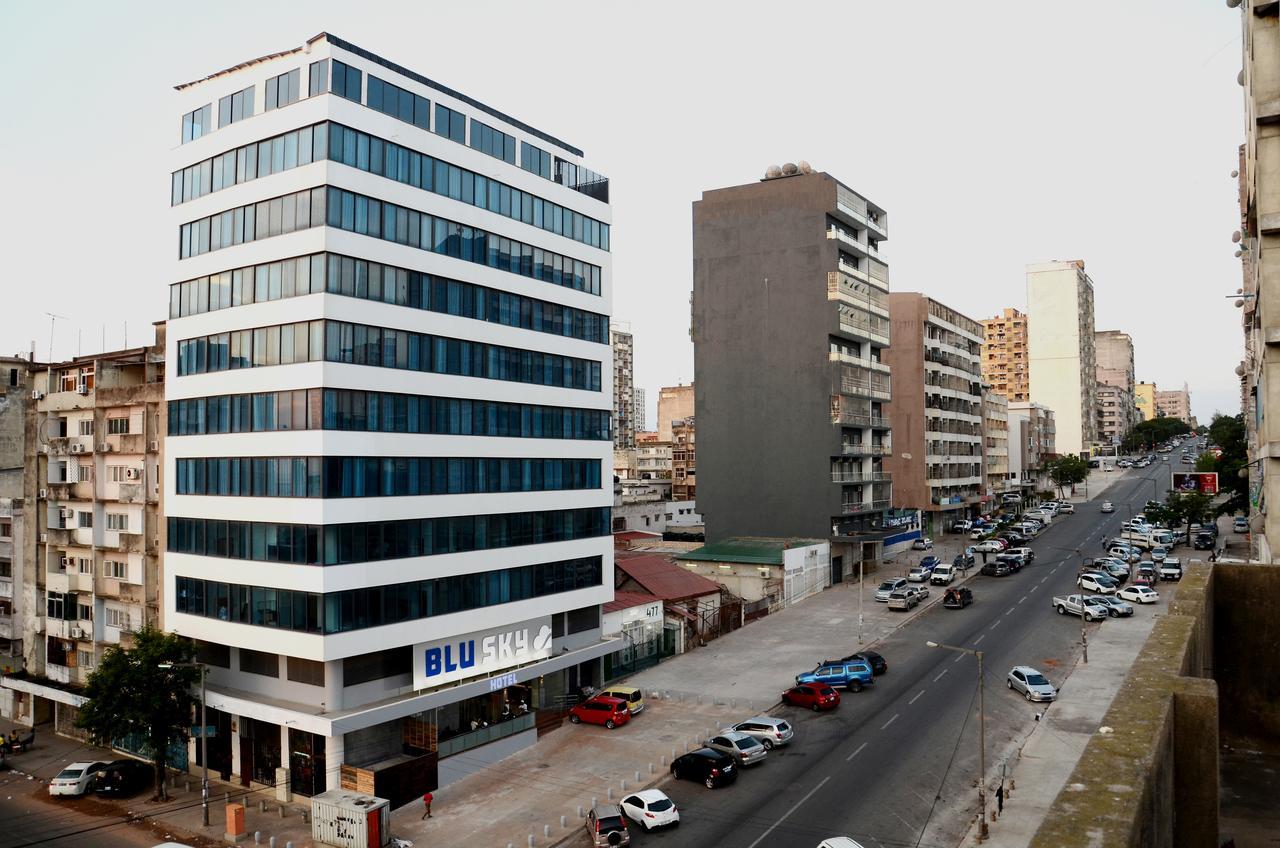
(346, 81)
(451, 124)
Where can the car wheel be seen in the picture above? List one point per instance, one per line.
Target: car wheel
(710, 782)
(1062, 610)
(1028, 695)
(815, 706)
(573, 718)
(675, 772)
(1009, 683)
(767, 743)
(609, 724)
(855, 685)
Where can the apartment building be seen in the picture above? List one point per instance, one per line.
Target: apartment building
(1175, 403)
(675, 403)
(1063, 364)
(1033, 434)
(1114, 352)
(90, 561)
(653, 457)
(387, 481)
(995, 443)
(642, 420)
(684, 460)
(15, 398)
(1144, 400)
(936, 413)
(15, 395)
(624, 400)
(790, 323)
(1112, 406)
(1005, 355)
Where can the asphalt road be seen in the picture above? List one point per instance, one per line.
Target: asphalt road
(897, 764)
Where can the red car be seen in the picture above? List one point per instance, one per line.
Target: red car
(816, 696)
(601, 709)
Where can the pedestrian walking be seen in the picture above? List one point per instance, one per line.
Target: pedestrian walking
(1000, 800)
(426, 802)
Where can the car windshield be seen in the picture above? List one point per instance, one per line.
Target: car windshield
(887, 585)
(660, 805)
(744, 744)
(1037, 680)
(69, 774)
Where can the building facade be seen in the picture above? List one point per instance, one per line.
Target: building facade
(1063, 364)
(389, 419)
(1114, 351)
(675, 403)
(642, 418)
(995, 443)
(624, 401)
(790, 323)
(684, 459)
(1175, 403)
(1036, 432)
(653, 457)
(1005, 355)
(91, 556)
(1144, 400)
(936, 413)
(1113, 406)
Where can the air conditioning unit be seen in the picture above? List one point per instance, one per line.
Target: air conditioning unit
(37, 395)
(82, 388)
(153, 446)
(44, 494)
(66, 513)
(104, 448)
(44, 538)
(132, 473)
(66, 562)
(77, 448)
(77, 633)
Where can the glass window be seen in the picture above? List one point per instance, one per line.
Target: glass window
(346, 81)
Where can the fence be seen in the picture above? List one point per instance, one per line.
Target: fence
(638, 656)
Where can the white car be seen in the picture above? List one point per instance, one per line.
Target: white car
(651, 808)
(74, 780)
(1158, 554)
(990, 547)
(839, 842)
(1108, 506)
(1091, 583)
(1066, 509)
(1139, 594)
(888, 587)
(922, 544)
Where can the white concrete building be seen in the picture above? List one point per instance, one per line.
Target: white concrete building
(390, 393)
(1063, 363)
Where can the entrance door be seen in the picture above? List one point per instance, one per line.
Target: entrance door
(837, 570)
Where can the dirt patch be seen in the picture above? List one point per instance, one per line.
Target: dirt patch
(133, 812)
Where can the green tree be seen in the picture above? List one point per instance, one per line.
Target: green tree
(1066, 471)
(130, 695)
(1145, 435)
(1189, 508)
(1226, 432)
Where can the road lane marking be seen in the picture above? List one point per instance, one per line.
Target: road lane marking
(889, 722)
(980, 638)
(916, 698)
(1044, 579)
(939, 677)
(1011, 609)
(994, 625)
(1024, 597)
(787, 814)
(957, 659)
(855, 753)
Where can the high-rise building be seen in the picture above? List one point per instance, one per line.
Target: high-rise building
(624, 401)
(790, 322)
(1063, 365)
(675, 403)
(1035, 441)
(1144, 400)
(91, 558)
(995, 442)
(1113, 407)
(642, 420)
(684, 460)
(1114, 350)
(1259, 190)
(1175, 403)
(387, 479)
(936, 412)
(1005, 355)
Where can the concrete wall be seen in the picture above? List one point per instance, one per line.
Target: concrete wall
(1248, 667)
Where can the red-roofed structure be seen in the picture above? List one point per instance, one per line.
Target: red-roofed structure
(689, 600)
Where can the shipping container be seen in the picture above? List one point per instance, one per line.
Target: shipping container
(346, 819)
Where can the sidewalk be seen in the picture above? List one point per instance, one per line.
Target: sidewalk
(1041, 764)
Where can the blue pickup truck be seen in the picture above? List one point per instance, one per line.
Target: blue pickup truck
(849, 675)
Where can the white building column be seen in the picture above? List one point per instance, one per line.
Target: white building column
(334, 754)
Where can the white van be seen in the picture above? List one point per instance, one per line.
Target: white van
(1043, 515)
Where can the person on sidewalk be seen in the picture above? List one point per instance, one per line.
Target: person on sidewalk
(426, 802)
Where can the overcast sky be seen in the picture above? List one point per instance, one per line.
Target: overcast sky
(995, 134)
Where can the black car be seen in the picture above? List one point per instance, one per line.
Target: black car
(122, 778)
(996, 569)
(871, 658)
(1014, 561)
(1204, 542)
(705, 765)
(1014, 538)
(963, 560)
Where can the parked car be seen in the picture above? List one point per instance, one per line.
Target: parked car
(1014, 562)
(942, 575)
(957, 598)
(1139, 594)
(839, 842)
(633, 696)
(651, 808)
(1240, 524)
(922, 544)
(1108, 506)
(848, 675)
(606, 826)
(815, 696)
(918, 574)
(930, 562)
(879, 665)
(122, 778)
(991, 546)
(964, 559)
(1091, 581)
(1170, 569)
(706, 766)
(1066, 509)
(998, 568)
(1158, 554)
(1032, 684)
(888, 587)
(1027, 555)
(743, 747)
(74, 779)
(904, 599)
(769, 731)
(1086, 606)
(961, 526)
(1204, 542)
(610, 712)
(1116, 608)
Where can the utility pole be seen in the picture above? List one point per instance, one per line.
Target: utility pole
(204, 737)
(983, 832)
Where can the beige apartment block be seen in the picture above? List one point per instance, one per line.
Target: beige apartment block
(653, 457)
(624, 400)
(1144, 400)
(1174, 404)
(995, 442)
(91, 565)
(1114, 351)
(1005, 355)
(675, 403)
(684, 460)
(1062, 356)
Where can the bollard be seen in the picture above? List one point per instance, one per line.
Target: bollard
(262, 806)
(564, 822)
(662, 761)
(531, 840)
(226, 797)
(594, 801)
(257, 837)
(306, 817)
(651, 769)
(282, 811)
(638, 772)
(623, 784)
(546, 831)
(581, 814)
(271, 842)
(733, 703)
(288, 844)
(188, 786)
(608, 794)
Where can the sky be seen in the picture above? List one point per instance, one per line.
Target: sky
(995, 134)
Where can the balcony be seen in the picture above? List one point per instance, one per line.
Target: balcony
(845, 237)
(855, 287)
(871, 364)
(865, 387)
(132, 493)
(860, 477)
(6, 627)
(60, 536)
(860, 449)
(854, 507)
(845, 208)
(857, 419)
(131, 543)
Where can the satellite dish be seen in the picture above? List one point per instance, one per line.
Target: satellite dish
(1235, 174)
(1235, 237)
(1231, 4)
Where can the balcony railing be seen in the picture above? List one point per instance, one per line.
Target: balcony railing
(853, 507)
(860, 477)
(842, 285)
(860, 449)
(856, 419)
(848, 238)
(865, 388)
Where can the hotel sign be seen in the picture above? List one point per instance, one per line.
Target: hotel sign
(480, 653)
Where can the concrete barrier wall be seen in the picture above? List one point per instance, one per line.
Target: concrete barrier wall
(1246, 631)
(1151, 781)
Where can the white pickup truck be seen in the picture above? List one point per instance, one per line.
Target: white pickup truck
(1170, 569)
(1083, 605)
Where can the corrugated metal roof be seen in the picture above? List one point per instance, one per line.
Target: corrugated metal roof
(627, 600)
(747, 549)
(663, 578)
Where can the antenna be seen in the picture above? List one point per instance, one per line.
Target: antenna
(52, 320)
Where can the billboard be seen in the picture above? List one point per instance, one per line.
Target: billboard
(1205, 482)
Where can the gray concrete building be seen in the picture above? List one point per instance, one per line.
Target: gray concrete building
(1117, 410)
(624, 400)
(15, 395)
(790, 322)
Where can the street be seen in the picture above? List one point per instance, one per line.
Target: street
(897, 764)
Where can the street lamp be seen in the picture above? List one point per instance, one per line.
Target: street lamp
(204, 737)
(982, 734)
